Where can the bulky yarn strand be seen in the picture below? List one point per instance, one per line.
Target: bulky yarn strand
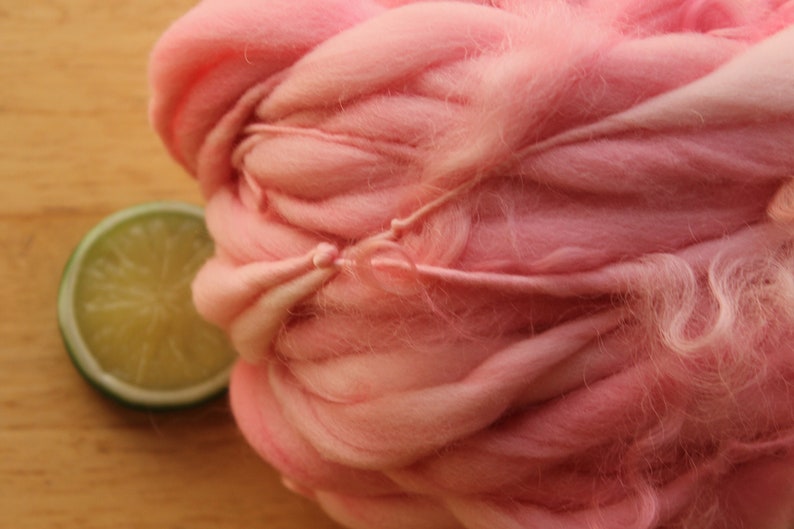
(499, 264)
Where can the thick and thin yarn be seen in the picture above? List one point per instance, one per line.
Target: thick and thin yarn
(501, 264)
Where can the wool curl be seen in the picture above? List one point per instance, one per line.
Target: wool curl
(501, 264)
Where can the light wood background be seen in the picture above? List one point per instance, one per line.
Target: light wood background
(75, 145)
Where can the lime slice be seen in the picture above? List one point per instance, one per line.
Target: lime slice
(126, 313)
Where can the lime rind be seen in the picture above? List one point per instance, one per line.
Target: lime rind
(120, 390)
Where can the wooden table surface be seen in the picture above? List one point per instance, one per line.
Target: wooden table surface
(75, 145)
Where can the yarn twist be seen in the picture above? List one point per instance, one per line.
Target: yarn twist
(501, 264)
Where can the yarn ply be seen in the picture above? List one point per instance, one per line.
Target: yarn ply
(501, 264)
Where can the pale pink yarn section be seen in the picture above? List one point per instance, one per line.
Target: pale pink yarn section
(501, 264)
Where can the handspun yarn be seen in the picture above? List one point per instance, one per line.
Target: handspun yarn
(501, 264)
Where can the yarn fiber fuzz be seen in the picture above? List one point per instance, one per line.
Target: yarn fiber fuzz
(501, 264)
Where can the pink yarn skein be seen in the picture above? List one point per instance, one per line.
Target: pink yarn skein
(501, 264)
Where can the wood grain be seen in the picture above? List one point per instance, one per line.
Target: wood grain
(75, 144)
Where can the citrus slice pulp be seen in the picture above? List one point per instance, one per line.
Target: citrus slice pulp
(126, 313)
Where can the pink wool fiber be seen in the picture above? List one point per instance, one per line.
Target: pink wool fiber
(501, 264)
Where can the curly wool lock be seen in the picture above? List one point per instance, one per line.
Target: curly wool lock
(501, 264)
